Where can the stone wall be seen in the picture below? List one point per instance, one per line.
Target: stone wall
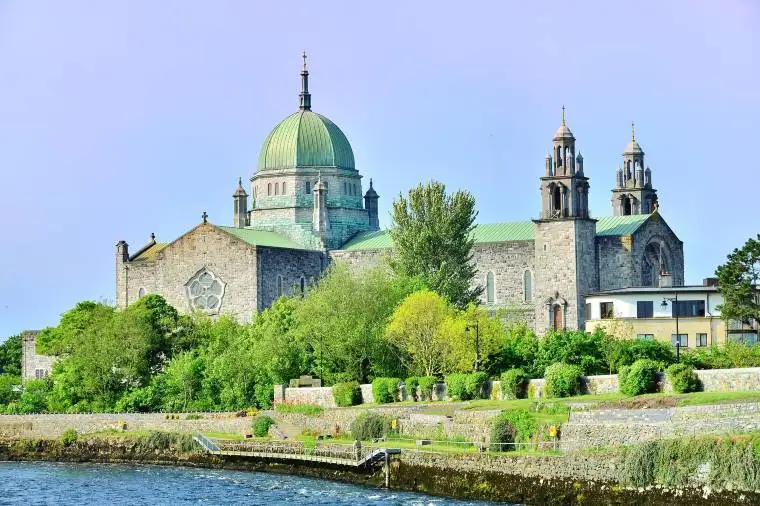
(656, 231)
(49, 425)
(291, 265)
(628, 426)
(321, 396)
(33, 365)
(360, 260)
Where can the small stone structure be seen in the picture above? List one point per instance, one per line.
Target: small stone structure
(33, 365)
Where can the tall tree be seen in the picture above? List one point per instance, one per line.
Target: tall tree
(10, 356)
(432, 238)
(738, 281)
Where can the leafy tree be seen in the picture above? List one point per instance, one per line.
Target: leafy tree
(624, 352)
(10, 356)
(738, 281)
(572, 347)
(432, 238)
(520, 350)
(418, 328)
(8, 384)
(490, 340)
(34, 397)
(183, 382)
(74, 323)
(342, 323)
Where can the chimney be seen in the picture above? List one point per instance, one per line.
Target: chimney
(666, 280)
(710, 282)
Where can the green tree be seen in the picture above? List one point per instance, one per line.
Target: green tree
(432, 238)
(342, 323)
(421, 329)
(738, 281)
(182, 383)
(10, 356)
(8, 386)
(475, 334)
(573, 347)
(34, 397)
(520, 350)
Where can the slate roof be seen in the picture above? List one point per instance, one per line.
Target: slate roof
(503, 232)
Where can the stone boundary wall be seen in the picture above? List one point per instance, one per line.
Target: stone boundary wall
(713, 380)
(53, 425)
(614, 427)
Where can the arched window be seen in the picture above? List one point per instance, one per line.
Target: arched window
(356, 192)
(345, 187)
(284, 188)
(325, 183)
(308, 187)
(277, 188)
(279, 286)
(528, 286)
(269, 188)
(489, 288)
(141, 293)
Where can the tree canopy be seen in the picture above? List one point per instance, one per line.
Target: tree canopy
(738, 281)
(432, 238)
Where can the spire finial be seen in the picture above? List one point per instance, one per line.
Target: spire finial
(205, 217)
(305, 95)
(152, 237)
(370, 182)
(633, 132)
(563, 114)
(240, 181)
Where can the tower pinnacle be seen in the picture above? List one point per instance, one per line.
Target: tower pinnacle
(305, 96)
(633, 132)
(563, 114)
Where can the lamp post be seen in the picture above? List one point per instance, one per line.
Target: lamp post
(467, 328)
(676, 310)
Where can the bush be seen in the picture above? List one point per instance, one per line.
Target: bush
(524, 422)
(69, 437)
(503, 432)
(385, 390)
(475, 385)
(303, 409)
(640, 378)
(683, 379)
(456, 386)
(261, 426)
(412, 383)
(369, 426)
(347, 394)
(625, 352)
(427, 384)
(513, 383)
(562, 380)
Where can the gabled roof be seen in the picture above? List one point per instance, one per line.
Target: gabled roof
(150, 252)
(504, 232)
(262, 238)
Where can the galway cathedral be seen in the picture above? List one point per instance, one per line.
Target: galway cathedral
(306, 207)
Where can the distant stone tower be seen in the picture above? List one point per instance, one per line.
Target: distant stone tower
(633, 192)
(565, 252)
(240, 206)
(370, 205)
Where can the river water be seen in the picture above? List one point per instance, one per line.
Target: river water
(111, 484)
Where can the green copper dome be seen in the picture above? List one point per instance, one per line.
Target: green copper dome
(305, 139)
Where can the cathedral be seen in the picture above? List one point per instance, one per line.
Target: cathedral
(306, 207)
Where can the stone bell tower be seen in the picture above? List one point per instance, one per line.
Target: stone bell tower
(565, 252)
(633, 192)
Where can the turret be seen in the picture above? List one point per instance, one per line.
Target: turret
(579, 163)
(648, 178)
(548, 165)
(240, 206)
(633, 192)
(619, 178)
(639, 175)
(370, 204)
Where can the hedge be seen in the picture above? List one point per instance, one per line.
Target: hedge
(427, 384)
(562, 380)
(683, 378)
(412, 383)
(368, 426)
(639, 378)
(385, 390)
(347, 394)
(513, 384)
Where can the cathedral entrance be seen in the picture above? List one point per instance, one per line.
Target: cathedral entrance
(557, 318)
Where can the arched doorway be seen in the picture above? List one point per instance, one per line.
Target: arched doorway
(557, 323)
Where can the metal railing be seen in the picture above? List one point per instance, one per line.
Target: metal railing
(347, 452)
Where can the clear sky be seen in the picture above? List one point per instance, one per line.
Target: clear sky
(122, 118)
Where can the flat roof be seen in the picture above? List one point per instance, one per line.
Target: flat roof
(656, 289)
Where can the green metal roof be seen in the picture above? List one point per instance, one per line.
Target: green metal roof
(305, 139)
(503, 232)
(620, 225)
(262, 238)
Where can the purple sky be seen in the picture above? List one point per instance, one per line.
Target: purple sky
(122, 118)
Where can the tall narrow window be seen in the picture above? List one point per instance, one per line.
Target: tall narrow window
(308, 187)
(345, 187)
(269, 188)
(284, 188)
(279, 286)
(528, 286)
(303, 285)
(277, 188)
(489, 288)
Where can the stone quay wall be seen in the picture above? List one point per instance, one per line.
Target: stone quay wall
(53, 425)
(615, 427)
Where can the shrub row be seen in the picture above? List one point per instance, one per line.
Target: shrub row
(347, 394)
(466, 386)
(385, 390)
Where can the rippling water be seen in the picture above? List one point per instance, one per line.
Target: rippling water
(52, 483)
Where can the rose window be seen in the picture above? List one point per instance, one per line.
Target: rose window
(205, 291)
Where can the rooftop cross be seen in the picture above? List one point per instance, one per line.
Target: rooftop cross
(305, 96)
(633, 133)
(563, 114)
(205, 217)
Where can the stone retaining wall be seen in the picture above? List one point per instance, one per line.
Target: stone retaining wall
(53, 425)
(714, 380)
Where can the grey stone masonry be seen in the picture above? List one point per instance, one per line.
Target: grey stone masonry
(565, 272)
(34, 366)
